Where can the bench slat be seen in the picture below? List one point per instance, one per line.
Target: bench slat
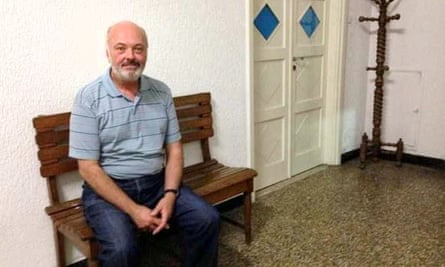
(186, 125)
(58, 168)
(79, 224)
(51, 121)
(77, 228)
(60, 207)
(245, 187)
(67, 220)
(193, 111)
(191, 99)
(196, 135)
(53, 153)
(66, 213)
(51, 138)
(220, 177)
(199, 166)
(202, 171)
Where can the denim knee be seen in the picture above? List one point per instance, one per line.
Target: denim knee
(209, 219)
(213, 217)
(119, 252)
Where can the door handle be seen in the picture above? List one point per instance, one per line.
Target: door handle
(294, 65)
(297, 61)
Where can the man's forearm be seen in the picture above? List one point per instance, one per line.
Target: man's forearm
(103, 185)
(174, 166)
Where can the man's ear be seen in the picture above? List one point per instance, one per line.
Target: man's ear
(107, 53)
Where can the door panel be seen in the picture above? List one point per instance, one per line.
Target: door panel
(307, 107)
(271, 91)
(277, 38)
(271, 151)
(308, 75)
(313, 10)
(307, 136)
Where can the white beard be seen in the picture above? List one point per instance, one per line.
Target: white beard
(128, 76)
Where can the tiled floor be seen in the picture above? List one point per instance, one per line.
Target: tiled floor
(344, 216)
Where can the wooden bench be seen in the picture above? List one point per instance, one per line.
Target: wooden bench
(211, 180)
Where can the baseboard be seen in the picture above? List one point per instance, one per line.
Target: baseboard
(347, 156)
(406, 158)
(82, 263)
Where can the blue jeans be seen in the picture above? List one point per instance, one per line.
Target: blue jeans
(116, 233)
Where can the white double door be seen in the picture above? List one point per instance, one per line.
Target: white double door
(289, 87)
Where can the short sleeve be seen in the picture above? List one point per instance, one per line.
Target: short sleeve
(173, 131)
(84, 133)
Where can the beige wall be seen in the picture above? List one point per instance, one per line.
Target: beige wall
(354, 93)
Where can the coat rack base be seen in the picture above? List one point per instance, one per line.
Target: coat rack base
(374, 149)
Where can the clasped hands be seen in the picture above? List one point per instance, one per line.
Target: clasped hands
(155, 220)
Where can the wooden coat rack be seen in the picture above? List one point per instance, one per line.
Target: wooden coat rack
(374, 146)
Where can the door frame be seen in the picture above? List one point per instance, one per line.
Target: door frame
(335, 65)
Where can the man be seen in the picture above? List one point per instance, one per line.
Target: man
(125, 135)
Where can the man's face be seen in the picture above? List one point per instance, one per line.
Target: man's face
(127, 52)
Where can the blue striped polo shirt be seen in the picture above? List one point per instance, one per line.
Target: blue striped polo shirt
(126, 136)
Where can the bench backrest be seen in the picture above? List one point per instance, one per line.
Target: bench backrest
(52, 136)
(195, 120)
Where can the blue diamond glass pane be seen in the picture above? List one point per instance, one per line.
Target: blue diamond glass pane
(266, 22)
(309, 21)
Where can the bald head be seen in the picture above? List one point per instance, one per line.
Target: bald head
(126, 51)
(125, 26)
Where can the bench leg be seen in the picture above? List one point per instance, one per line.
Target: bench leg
(247, 216)
(93, 263)
(93, 246)
(60, 248)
